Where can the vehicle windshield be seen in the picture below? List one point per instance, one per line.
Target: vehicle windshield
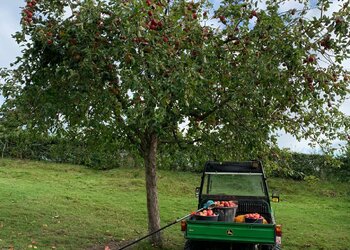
(234, 184)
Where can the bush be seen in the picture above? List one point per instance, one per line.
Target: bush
(99, 154)
(299, 166)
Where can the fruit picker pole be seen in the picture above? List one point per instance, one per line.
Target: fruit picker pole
(209, 204)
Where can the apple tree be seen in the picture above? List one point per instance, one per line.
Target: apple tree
(159, 73)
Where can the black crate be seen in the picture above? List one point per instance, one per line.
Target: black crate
(257, 221)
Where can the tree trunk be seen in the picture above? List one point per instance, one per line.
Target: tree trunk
(150, 153)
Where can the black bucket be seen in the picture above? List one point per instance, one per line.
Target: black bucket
(206, 218)
(226, 213)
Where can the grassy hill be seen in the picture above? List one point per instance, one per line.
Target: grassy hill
(58, 206)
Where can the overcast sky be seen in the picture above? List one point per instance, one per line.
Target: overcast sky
(9, 24)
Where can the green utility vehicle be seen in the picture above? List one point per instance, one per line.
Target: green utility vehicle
(244, 183)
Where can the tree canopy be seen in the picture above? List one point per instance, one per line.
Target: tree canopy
(156, 73)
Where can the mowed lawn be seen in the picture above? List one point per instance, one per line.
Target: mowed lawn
(60, 206)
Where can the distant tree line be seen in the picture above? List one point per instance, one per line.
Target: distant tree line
(98, 151)
(91, 151)
(301, 166)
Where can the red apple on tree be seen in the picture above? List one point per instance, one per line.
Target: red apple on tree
(223, 19)
(165, 39)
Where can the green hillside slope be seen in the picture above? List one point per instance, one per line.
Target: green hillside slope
(57, 206)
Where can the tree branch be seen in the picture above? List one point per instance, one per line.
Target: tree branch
(201, 117)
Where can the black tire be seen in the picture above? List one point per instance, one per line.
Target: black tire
(277, 247)
(269, 247)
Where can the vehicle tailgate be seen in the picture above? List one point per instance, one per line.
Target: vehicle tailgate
(226, 231)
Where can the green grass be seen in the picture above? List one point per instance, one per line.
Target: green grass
(313, 215)
(71, 207)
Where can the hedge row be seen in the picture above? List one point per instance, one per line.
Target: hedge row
(102, 153)
(92, 153)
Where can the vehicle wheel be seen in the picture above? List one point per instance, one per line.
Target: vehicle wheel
(267, 247)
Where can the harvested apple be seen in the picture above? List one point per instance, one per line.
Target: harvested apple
(225, 204)
(206, 212)
(254, 216)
